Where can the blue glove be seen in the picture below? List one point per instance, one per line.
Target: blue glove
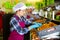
(37, 23)
(37, 16)
(31, 19)
(35, 26)
(34, 22)
(40, 24)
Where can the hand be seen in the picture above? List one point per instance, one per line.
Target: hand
(37, 23)
(31, 19)
(40, 24)
(34, 22)
(35, 26)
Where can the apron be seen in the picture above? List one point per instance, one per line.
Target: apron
(14, 35)
(28, 17)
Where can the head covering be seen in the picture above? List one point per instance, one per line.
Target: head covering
(19, 6)
(58, 7)
(49, 8)
(31, 7)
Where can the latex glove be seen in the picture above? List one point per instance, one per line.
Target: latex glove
(37, 23)
(34, 22)
(35, 26)
(31, 19)
(37, 16)
(40, 24)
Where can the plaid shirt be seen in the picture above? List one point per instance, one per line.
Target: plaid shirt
(15, 25)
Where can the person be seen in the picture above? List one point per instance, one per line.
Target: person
(18, 22)
(1, 20)
(31, 15)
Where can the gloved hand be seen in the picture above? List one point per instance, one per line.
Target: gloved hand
(31, 19)
(40, 24)
(34, 22)
(37, 23)
(35, 26)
